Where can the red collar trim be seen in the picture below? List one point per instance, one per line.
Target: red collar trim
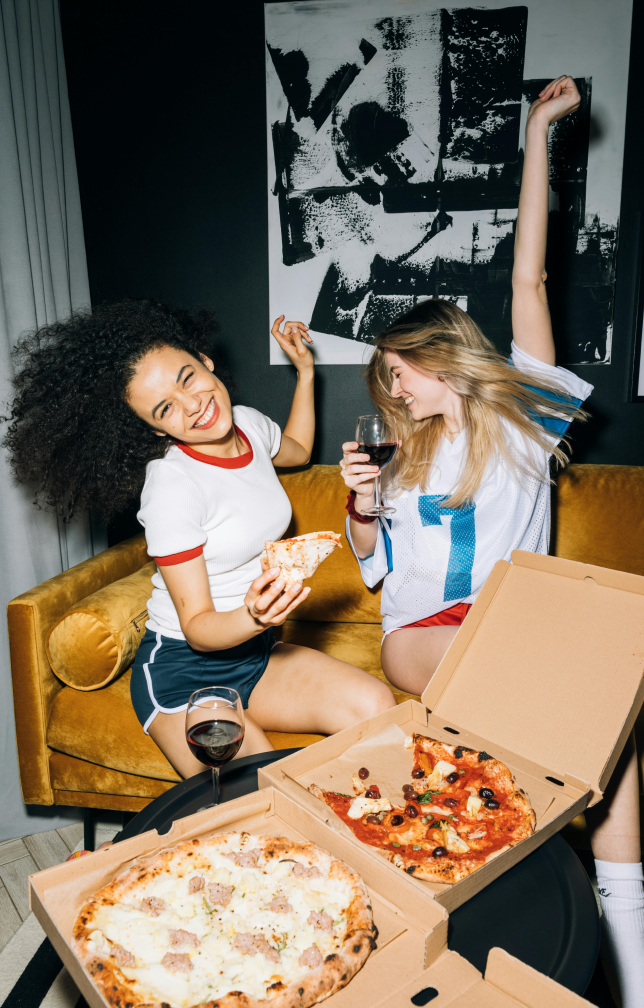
(224, 463)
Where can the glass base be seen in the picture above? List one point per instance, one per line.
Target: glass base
(204, 808)
(382, 510)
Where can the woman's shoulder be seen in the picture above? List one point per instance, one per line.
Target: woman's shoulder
(251, 416)
(253, 422)
(169, 467)
(570, 383)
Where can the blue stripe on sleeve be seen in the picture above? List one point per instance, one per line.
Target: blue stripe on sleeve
(558, 425)
(388, 550)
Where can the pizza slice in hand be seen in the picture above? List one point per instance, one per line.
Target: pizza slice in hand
(300, 557)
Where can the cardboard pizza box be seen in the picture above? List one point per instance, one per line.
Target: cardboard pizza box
(545, 675)
(410, 965)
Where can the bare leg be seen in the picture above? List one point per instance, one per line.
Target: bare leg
(410, 657)
(169, 733)
(303, 690)
(614, 824)
(615, 838)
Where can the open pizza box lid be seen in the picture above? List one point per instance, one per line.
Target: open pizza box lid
(410, 965)
(545, 675)
(549, 665)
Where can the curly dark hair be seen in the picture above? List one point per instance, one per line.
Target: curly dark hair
(72, 433)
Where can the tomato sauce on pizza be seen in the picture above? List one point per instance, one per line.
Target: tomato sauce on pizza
(461, 809)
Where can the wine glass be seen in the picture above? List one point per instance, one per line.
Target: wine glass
(377, 438)
(214, 729)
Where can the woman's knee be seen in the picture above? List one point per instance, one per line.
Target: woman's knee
(371, 700)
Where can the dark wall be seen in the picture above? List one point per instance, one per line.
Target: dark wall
(167, 103)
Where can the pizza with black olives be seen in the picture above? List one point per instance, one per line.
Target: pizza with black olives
(461, 810)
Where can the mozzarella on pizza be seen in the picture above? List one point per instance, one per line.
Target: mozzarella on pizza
(210, 921)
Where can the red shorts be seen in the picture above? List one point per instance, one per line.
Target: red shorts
(447, 617)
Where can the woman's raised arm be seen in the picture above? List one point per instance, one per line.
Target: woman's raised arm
(531, 325)
(297, 439)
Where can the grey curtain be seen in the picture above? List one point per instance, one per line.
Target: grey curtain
(43, 277)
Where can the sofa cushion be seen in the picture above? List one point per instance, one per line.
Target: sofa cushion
(96, 640)
(598, 516)
(75, 776)
(338, 593)
(101, 727)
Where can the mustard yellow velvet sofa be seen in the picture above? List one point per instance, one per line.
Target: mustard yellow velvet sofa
(82, 744)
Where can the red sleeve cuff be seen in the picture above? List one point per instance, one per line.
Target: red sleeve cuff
(177, 558)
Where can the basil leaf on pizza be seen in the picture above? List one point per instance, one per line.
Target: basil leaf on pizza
(234, 920)
(462, 809)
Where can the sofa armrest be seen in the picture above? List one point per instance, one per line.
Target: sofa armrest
(29, 619)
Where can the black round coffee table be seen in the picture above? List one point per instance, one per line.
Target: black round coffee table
(542, 911)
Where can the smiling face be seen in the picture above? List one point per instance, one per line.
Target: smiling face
(425, 394)
(180, 396)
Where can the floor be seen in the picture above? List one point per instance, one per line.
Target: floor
(21, 858)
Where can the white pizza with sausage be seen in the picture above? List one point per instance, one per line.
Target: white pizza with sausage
(233, 920)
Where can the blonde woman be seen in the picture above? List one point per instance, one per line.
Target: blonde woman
(470, 483)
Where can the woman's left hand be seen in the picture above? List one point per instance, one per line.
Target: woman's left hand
(556, 100)
(292, 342)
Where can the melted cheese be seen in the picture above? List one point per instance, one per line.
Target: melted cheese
(473, 806)
(439, 773)
(217, 966)
(359, 786)
(452, 841)
(367, 806)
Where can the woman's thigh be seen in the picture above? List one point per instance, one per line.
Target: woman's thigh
(410, 657)
(169, 733)
(303, 690)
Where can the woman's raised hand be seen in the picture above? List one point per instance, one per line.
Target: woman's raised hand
(292, 342)
(357, 471)
(556, 100)
(268, 603)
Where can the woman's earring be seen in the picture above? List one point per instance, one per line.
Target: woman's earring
(440, 378)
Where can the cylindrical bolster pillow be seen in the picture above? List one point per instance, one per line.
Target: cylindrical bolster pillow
(94, 642)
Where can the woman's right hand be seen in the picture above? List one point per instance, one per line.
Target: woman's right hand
(268, 603)
(358, 473)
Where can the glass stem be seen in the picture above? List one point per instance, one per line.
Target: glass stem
(215, 785)
(378, 503)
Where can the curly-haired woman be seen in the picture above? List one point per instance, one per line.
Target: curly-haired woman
(125, 401)
(470, 484)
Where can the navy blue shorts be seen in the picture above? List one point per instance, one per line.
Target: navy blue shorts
(166, 671)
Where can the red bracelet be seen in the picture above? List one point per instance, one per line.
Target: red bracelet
(362, 519)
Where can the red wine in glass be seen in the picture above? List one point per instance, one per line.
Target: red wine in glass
(215, 742)
(377, 437)
(215, 729)
(379, 454)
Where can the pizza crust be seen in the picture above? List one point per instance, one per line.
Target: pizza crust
(353, 946)
(300, 557)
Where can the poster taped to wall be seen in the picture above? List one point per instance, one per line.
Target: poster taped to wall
(395, 136)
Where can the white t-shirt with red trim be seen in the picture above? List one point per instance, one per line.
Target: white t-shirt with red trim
(224, 508)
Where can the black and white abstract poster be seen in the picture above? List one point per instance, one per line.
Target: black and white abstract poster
(395, 154)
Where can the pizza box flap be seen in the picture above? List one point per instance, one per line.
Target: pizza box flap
(548, 664)
(508, 983)
(412, 933)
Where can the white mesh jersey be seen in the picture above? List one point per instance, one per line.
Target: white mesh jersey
(433, 557)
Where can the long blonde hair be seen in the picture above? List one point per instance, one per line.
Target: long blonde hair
(448, 343)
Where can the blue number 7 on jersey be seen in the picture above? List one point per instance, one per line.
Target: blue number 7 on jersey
(458, 581)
